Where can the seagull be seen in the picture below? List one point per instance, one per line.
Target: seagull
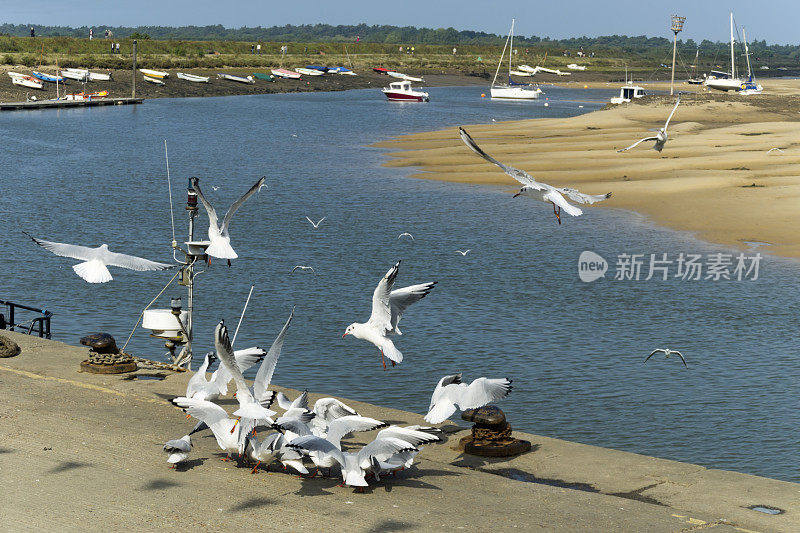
(660, 137)
(465, 252)
(249, 407)
(304, 268)
(774, 149)
(218, 234)
(267, 368)
(406, 234)
(387, 308)
(245, 359)
(198, 386)
(230, 434)
(450, 392)
(215, 188)
(94, 269)
(316, 226)
(273, 448)
(178, 449)
(535, 189)
(667, 353)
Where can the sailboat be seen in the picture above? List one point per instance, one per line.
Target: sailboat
(695, 80)
(512, 90)
(749, 86)
(724, 81)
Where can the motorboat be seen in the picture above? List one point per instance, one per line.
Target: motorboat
(287, 74)
(231, 77)
(513, 90)
(25, 81)
(192, 77)
(401, 91)
(154, 73)
(627, 93)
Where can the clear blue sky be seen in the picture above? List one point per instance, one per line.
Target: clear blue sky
(776, 21)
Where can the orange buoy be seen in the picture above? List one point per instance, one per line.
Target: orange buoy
(483, 95)
(585, 86)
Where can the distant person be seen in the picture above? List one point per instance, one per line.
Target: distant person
(358, 38)
(412, 49)
(253, 49)
(33, 32)
(258, 49)
(112, 47)
(105, 35)
(401, 49)
(454, 50)
(117, 47)
(91, 33)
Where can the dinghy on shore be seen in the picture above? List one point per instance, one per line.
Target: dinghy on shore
(47, 77)
(231, 77)
(25, 81)
(287, 74)
(192, 77)
(154, 81)
(154, 73)
(309, 71)
(262, 76)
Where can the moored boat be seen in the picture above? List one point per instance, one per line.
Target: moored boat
(154, 81)
(287, 74)
(25, 81)
(403, 76)
(317, 67)
(192, 77)
(513, 90)
(82, 75)
(262, 76)
(154, 73)
(309, 71)
(231, 77)
(627, 93)
(84, 96)
(401, 91)
(342, 70)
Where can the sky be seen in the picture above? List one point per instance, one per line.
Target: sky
(772, 20)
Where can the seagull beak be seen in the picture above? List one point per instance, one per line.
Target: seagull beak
(516, 195)
(345, 335)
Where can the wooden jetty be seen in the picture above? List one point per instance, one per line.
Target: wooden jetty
(58, 104)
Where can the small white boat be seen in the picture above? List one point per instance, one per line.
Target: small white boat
(401, 91)
(402, 76)
(154, 81)
(627, 93)
(154, 73)
(513, 90)
(309, 71)
(25, 81)
(283, 73)
(527, 68)
(192, 77)
(575, 66)
(520, 73)
(240, 79)
(83, 74)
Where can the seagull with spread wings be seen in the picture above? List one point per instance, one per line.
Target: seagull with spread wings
(316, 224)
(95, 261)
(667, 352)
(661, 134)
(387, 308)
(534, 189)
(220, 246)
(303, 268)
(450, 392)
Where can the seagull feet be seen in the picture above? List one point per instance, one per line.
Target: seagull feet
(226, 458)
(557, 214)
(255, 468)
(229, 263)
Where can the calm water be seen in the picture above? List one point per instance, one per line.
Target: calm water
(513, 307)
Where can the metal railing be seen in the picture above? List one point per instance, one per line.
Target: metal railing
(39, 325)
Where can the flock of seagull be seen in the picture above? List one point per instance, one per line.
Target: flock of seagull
(305, 434)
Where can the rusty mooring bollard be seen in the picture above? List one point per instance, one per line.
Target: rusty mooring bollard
(491, 434)
(105, 357)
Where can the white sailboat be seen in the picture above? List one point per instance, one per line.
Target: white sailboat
(723, 81)
(750, 85)
(512, 90)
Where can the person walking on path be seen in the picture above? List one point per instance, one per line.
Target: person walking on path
(454, 50)
(117, 47)
(252, 49)
(258, 49)
(91, 33)
(33, 32)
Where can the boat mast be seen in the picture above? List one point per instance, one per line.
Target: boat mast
(747, 55)
(696, 55)
(502, 55)
(510, 50)
(733, 65)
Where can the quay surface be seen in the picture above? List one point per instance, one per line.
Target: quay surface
(59, 104)
(83, 452)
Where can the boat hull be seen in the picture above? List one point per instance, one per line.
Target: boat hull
(192, 77)
(405, 97)
(287, 74)
(723, 84)
(515, 93)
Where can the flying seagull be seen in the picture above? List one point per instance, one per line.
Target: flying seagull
(303, 267)
(218, 233)
(774, 150)
(535, 189)
(94, 269)
(316, 225)
(387, 308)
(667, 353)
(660, 137)
(450, 392)
(178, 450)
(465, 252)
(406, 234)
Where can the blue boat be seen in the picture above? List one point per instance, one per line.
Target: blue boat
(47, 77)
(316, 67)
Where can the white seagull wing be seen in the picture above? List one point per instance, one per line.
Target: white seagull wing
(581, 198)
(637, 143)
(554, 196)
(381, 449)
(312, 443)
(400, 299)
(212, 213)
(381, 316)
(411, 436)
(238, 203)
(672, 113)
(84, 253)
(482, 391)
(330, 409)
(342, 427)
(132, 262)
(267, 368)
(519, 175)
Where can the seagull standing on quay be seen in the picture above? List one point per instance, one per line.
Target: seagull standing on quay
(387, 308)
(660, 137)
(667, 352)
(94, 269)
(535, 189)
(178, 450)
(218, 233)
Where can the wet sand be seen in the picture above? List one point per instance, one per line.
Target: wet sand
(716, 176)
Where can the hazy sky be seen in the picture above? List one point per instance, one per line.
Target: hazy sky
(776, 21)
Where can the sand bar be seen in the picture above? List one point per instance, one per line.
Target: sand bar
(83, 452)
(716, 177)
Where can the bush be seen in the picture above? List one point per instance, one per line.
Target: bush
(8, 59)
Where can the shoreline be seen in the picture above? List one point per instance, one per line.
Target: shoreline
(716, 173)
(113, 427)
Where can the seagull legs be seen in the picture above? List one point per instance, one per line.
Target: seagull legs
(234, 425)
(255, 468)
(557, 214)
(383, 360)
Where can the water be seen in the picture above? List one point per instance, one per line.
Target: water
(514, 306)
